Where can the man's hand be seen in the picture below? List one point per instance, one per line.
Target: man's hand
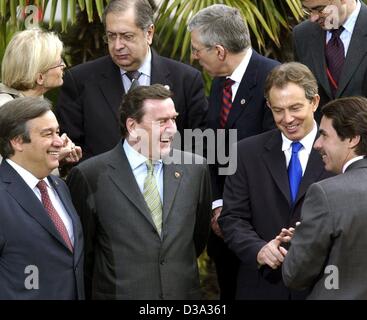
(286, 235)
(214, 223)
(272, 254)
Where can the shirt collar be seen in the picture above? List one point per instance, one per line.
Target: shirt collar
(146, 67)
(350, 23)
(307, 141)
(238, 73)
(348, 163)
(28, 177)
(135, 158)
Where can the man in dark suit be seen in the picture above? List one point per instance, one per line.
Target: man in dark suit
(143, 237)
(88, 103)
(328, 250)
(334, 26)
(41, 243)
(220, 41)
(261, 198)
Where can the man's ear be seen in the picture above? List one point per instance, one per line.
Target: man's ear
(130, 126)
(221, 52)
(353, 142)
(315, 102)
(17, 143)
(150, 34)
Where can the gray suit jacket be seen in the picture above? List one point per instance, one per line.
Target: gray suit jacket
(309, 49)
(125, 256)
(332, 233)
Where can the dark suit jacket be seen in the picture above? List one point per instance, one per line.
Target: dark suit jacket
(332, 235)
(249, 114)
(90, 97)
(309, 48)
(28, 237)
(257, 206)
(125, 256)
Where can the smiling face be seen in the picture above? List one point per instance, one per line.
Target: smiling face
(127, 44)
(41, 155)
(335, 152)
(155, 132)
(292, 111)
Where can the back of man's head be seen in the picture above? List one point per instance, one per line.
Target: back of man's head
(221, 24)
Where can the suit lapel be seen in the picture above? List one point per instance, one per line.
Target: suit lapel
(244, 92)
(172, 175)
(356, 51)
(26, 198)
(275, 161)
(122, 176)
(159, 72)
(318, 38)
(112, 87)
(66, 201)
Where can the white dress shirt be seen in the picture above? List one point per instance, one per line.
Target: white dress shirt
(32, 182)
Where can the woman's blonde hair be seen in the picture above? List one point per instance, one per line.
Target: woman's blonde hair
(29, 53)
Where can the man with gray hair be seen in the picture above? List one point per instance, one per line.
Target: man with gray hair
(220, 41)
(92, 92)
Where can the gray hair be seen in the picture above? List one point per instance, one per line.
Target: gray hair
(144, 11)
(220, 24)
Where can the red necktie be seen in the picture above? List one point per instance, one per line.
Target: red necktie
(334, 52)
(46, 201)
(226, 102)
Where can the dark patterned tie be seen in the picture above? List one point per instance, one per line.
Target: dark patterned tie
(226, 102)
(46, 201)
(335, 58)
(133, 77)
(294, 170)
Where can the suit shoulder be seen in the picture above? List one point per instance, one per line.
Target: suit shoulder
(94, 164)
(178, 66)
(257, 141)
(304, 28)
(93, 66)
(266, 62)
(183, 157)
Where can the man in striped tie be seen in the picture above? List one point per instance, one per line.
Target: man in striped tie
(145, 213)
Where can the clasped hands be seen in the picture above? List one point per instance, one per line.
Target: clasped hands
(70, 153)
(272, 254)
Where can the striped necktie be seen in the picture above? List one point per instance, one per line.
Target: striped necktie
(226, 102)
(151, 196)
(134, 78)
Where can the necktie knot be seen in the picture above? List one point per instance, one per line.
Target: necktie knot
(296, 146)
(150, 167)
(133, 75)
(335, 33)
(42, 186)
(228, 83)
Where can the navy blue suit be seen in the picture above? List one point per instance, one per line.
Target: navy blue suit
(249, 116)
(28, 237)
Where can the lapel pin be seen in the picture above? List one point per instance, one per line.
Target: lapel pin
(177, 174)
(243, 101)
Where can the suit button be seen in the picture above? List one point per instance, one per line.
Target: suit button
(163, 262)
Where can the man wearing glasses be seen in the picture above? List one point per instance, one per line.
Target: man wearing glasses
(332, 44)
(220, 41)
(89, 99)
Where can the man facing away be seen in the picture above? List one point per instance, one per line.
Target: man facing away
(328, 250)
(220, 41)
(41, 242)
(88, 103)
(145, 214)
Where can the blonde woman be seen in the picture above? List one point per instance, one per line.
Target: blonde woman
(32, 65)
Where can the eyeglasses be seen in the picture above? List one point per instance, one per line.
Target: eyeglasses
(61, 64)
(195, 51)
(111, 37)
(319, 10)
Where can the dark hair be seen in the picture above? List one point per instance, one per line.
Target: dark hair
(292, 72)
(133, 101)
(349, 119)
(14, 116)
(144, 11)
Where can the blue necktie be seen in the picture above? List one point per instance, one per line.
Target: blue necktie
(294, 170)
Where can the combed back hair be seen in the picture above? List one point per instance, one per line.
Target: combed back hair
(223, 25)
(144, 11)
(292, 72)
(29, 53)
(349, 119)
(14, 116)
(133, 102)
